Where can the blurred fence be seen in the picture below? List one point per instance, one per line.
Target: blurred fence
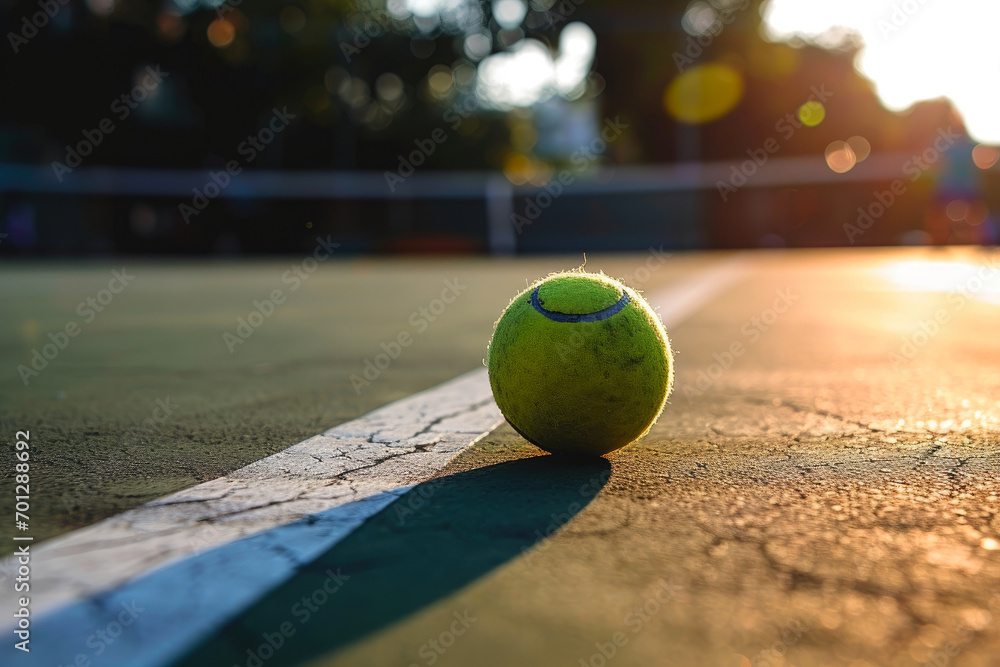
(781, 201)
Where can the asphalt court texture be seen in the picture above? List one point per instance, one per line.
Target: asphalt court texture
(821, 489)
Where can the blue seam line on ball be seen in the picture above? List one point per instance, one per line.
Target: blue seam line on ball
(586, 317)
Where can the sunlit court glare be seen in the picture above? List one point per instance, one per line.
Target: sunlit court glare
(979, 280)
(911, 51)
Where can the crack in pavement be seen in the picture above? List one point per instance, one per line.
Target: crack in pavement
(224, 515)
(434, 422)
(784, 403)
(185, 501)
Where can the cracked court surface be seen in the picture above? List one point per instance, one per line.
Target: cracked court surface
(827, 496)
(820, 503)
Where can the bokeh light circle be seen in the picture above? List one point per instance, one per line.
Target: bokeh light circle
(840, 157)
(985, 156)
(704, 93)
(221, 33)
(517, 168)
(861, 147)
(812, 113)
(957, 209)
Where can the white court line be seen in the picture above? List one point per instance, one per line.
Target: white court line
(196, 558)
(680, 301)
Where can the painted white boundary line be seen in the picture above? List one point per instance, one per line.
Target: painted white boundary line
(682, 300)
(296, 504)
(193, 559)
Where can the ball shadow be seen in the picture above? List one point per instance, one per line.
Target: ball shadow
(437, 538)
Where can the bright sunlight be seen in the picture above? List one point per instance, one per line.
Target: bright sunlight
(912, 50)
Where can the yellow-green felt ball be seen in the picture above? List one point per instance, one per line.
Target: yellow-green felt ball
(580, 364)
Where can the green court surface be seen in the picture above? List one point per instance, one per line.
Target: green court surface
(821, 490)
(147, 397)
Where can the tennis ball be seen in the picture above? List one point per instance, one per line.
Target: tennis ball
(580, 364)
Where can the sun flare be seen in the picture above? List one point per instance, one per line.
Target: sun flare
(912, 51)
